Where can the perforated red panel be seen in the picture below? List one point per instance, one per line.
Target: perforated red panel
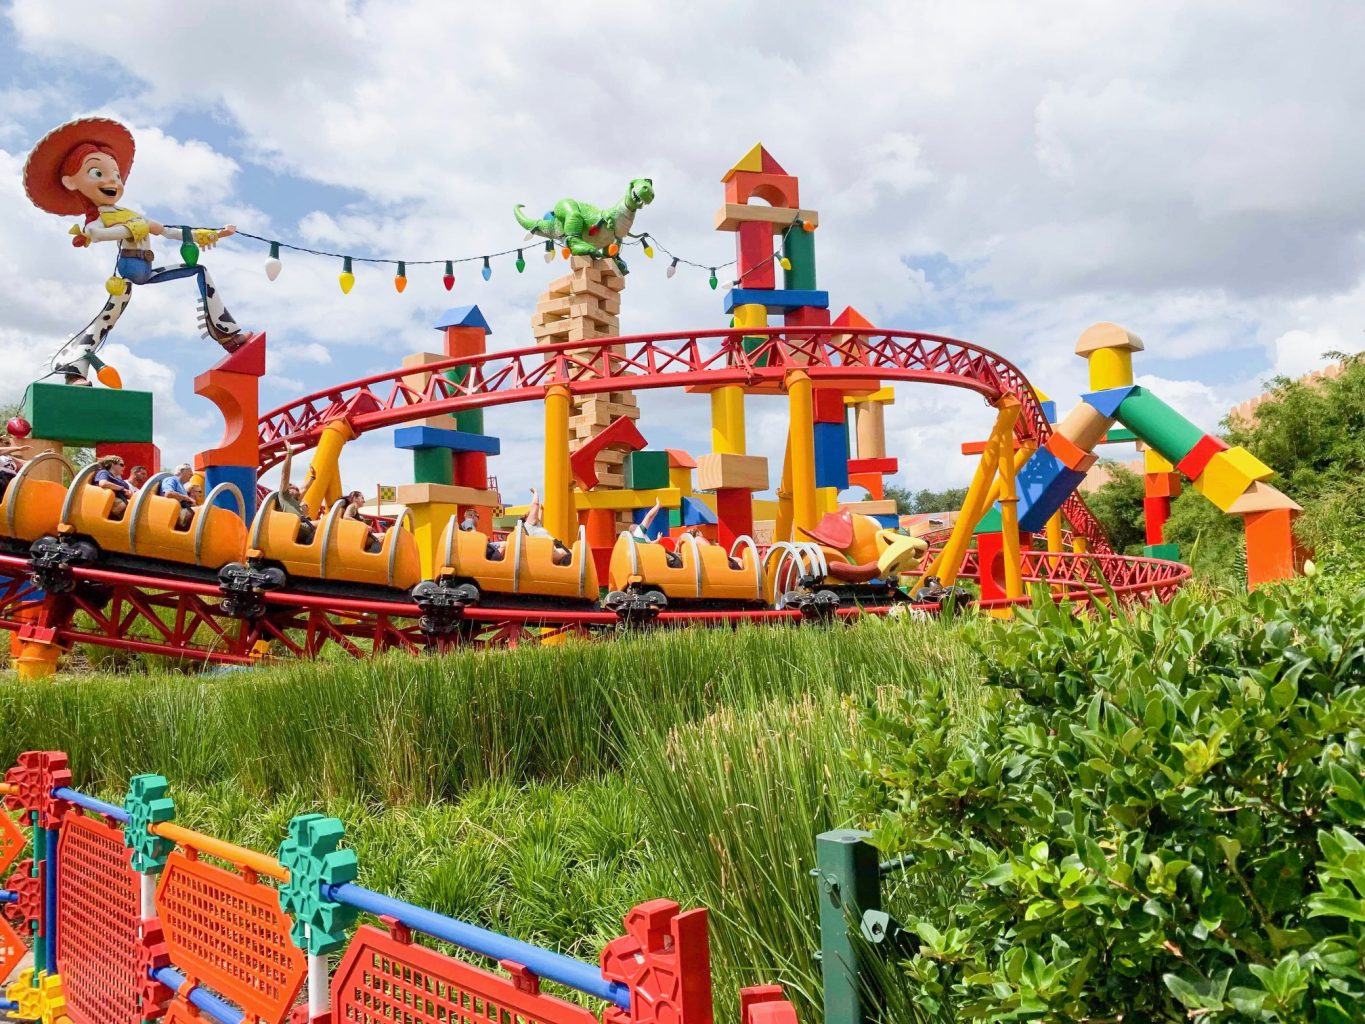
(12, 949)
(97, 921)
(381, 980)
(12, 842)
(182, 1012)
(231, 935)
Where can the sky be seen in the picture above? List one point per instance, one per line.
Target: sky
(1003, 173)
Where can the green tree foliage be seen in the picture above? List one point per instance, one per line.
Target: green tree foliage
(1158, 818)
(925, 501)
(1118, 505)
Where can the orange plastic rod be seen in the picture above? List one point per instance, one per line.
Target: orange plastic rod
(262, 864)
(8, 789)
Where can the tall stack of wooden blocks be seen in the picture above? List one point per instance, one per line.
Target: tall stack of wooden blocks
(583, 305)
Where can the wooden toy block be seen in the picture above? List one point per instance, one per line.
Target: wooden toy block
(870, 482)
(806, 316)
(774, 189)
(882, 396)
(416, 361)
(1248, 464)
(826, 500)
(1107, 335)
(627, 500)
(1161, 485)
(1155, 512)
(1223, 481)
(696, 513)
(1198, 457)
(1169, 552)
(724, 471)
(646, 470)
(656, 529)
(432, 466)
(800, 252)
(1084, 425)
(883, 465)
(470, 469)
(1043, 485)
(757, 160)
(621, 433)
(444, 437)
(1068, 454)
(734, 514)
(1158, 424)
(1261, 497)
(133, 453)
(1272, 551)
(84, 417)
(248, 359)
(680, 459)
(1154, 462)
(465, 329)
(1108, 400)
(413, 495)
(776, 219)
(871, 508)
(754, 256)
(241, 477)
(831, 455)
(776, 300)
(829, 406)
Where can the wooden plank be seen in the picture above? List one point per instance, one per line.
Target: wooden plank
(730, 216)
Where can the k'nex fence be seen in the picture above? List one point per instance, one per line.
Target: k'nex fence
(133, 918)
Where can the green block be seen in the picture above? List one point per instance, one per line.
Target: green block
(470, 421)
(749, 344)
(674, 518)
(990, 522)
(84, 417)
(1158, 424)
(432, 466)
(800, 250)
(1117, 434)
(646, 470)
(1170, 552)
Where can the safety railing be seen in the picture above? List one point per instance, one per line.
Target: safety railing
(132, 917)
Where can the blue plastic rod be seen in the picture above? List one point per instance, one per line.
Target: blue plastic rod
(201, 997)
(8, 1004)
(554, 966)
(8, 897)
(50, 900)
(90, 803)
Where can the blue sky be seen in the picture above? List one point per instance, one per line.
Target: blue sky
(1004, 175)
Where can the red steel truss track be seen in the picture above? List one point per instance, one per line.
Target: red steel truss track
(178, 618)
(646, 361)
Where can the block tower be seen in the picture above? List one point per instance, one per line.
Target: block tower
(234, 386)
(583, 305)
(449, 451)
(112, 421)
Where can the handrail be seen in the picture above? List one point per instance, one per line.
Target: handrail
(202, 514)
(333, 514)
(74, 490)
(391, 538)
(12, 492)
(271, 502)
(748, 542)
(582, 554)
(518, 532)
(448, 543)
(696, 562)
(139, 503)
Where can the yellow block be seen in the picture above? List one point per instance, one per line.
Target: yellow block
(765, 508)
(1248, 463)
(680, 478)
(1110, 368)
(1225, 479)
(750, 161)
(669, 497)
(1154, 462)
(727, 420)
(826, 500)
(882, 396)
(428, 524)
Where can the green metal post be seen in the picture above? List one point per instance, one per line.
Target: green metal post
(849, 884)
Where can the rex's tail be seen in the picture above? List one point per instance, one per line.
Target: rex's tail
(545, 226)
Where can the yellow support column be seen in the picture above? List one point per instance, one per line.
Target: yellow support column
(557, 502)
(1055, 546)
(323, 486)
(949, 561)
(782, 527)
(727, 420)
(1009, 529)
(801, 438)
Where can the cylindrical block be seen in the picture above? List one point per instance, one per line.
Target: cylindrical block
(1084, 426)
(557, 503)
(1155, 422)
(870, 422)
(800, 250)
(727, 420)
(801, 425)
(1110, 368)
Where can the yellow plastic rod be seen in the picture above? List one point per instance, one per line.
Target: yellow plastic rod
(949, 561)
(557, 503)
(261, 863)
(801, 437)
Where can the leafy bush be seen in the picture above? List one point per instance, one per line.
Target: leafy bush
(1159, 818)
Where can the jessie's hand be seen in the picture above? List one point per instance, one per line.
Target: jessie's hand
(227, 230)
(78, 236)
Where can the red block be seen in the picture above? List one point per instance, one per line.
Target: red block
(620, 433)
(1155, 512)
(829, 405)
(884, 465)
(806, 316)
(754, 248)
(1198, 457)
(781, 190)
(470, 469)
(990, 557)
(133, 453)
(735, 514)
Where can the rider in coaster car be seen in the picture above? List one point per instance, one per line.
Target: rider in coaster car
(533, 524)
(176, 487)
(110, 478)
(639, 533)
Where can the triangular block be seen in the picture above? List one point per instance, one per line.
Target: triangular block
(1108, 401)
(850, 317)
(249, 359)
(757, 161)
(463, 316)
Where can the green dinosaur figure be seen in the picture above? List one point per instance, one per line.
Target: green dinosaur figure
(589, 230)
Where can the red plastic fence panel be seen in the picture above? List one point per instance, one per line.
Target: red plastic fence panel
(182, 1012)
(97, 922)
(383, 979)
(12, 949)
(229, 934)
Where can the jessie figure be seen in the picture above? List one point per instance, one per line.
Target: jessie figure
(80, 168)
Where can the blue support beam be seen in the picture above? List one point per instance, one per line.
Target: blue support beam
(777, 300)
(439, 437)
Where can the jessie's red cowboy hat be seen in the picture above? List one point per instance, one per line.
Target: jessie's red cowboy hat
(43, 169)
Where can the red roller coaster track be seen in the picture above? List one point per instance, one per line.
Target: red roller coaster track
(646, 361)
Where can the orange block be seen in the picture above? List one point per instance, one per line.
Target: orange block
(1068, 453)
(1272, 551)
(1161, 485)
(237, 396)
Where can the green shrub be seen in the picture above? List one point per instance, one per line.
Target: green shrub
(1158, 819)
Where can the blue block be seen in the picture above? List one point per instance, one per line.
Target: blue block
(439, 437)
(1043, 484)
(1049, 410)
(1107, 402)
(889, 520)
(463, 316)
(694, 513)
(241, 477)
(777, 300)
(831, 455)
(656, 529)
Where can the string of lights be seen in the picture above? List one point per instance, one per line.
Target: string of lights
(647, 243)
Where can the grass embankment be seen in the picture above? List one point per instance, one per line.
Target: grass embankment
(541, 792)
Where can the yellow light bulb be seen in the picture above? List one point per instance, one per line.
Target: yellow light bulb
(649, 251)
(347, 281)
(786, 263)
